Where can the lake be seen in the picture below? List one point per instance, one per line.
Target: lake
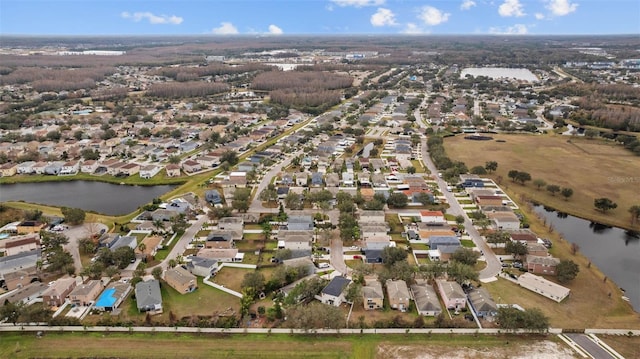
(615, 251)
(500, 73)
(101, 197)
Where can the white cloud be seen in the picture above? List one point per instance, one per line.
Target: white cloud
(153, 19)
(413, 29)
(226, 28)
(275, 30)
(383, 17)
(432, 16)
(561, 7)
(467, 4)
(517, 29)
(539, 16)
(511, 8)
(358, 3)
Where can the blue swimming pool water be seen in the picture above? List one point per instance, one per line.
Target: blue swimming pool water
(106, 299)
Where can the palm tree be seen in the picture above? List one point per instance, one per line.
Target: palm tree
(158, 224)
(172, 263)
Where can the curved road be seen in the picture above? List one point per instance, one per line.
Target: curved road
(77, 233)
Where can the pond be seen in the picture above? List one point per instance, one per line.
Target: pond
(101, 197)
(615, 251)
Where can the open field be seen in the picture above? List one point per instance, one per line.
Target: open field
(588, 305)
(164, 345)
(231, 277)
(592, 168)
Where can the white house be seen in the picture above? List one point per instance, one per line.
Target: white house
(543, 287)
(432, 217)
(70, 168)
(149, 171)
(89, 166)
(26, 167)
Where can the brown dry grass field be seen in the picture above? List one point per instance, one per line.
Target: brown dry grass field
(592, 168)
(170, 345)
(588, 305)
(629, 347)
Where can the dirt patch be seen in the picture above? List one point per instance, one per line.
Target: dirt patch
(541, 350)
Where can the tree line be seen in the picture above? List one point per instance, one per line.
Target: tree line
(186, 89)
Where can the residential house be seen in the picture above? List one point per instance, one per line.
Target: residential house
(19, 278)
(301, 179)
(25, 261)
(378, 242)
(296, 240)
(149, 171)
(191, 166)
(541, 265)
(70, 168)
(524, 236)
(372, 217)
(452, 294)
(246, 166)
(287, 179)
(372, 294)
(489, 201)
(300, 223)
(237, 179)
(148, 297)
(470, 180)
(398, 294)
(504, 220)
(58, 291)
(124, 241)
(213, 196)
(222, 239)
(172, 170)
(89, 166)
(373, 255)
(25, 168)
(202, 267)
(348, 179)
(433, 218)
(231, 223)
(543, 287)
(28, 227)
(188, 146)
(85, 294)
(112, 296)
(221, 254)
(39, 167)
(317, 179)
(129, 169)
(332, 180)
(8, 169)
(426, 299)
(482, 303)
(26, 295)
(181, 280)
(537, 249)
(334, 292)
(282, 192)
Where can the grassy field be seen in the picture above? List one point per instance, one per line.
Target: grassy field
(589, 304)
(629, 347)
(231, 277)
(592, 168)
(166, 345)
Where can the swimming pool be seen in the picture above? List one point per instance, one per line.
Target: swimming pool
(106, 299)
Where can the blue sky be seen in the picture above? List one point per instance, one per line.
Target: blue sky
(246, 17)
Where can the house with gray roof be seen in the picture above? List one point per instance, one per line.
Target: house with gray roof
(22, 261)
(200, 266)
(482, 303)
(148, 297)
(333, 293)
(124, 241)
(426, 299)
(300, 223)
(398, 294)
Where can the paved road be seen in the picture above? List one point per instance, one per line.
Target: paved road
(589, 346)
(256, 204)
(182, 243)
(75, 233)
(493, 264)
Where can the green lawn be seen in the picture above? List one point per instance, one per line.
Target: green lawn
(419, 246)
(467, 243)
(163, 253)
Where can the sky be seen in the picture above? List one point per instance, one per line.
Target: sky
(318, 17)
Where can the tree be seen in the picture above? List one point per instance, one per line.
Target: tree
(254, 281)
(11, 312)
(461, 273)
(523, 177)
(174, 159)
(269, 194)
(566, 193)
(567, 270)
(539, 183)
(397, 200)
(635, 213)
(59, 260)
(553, 189)
(498, 237)
(466, 256)
(123, 256)
(293, 201)
(348, 226)
(53, 240)
(73, 216)
(241, 198)
(491, 166)
(478, 170)
(230, 157)
(533, 319)
(604, 204)
(411, 170)
(391, 255)
(156, 273)
(513, 174)
(459, 219)
(282, 254)
(516, 248)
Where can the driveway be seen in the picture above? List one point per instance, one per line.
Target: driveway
(337, 257)
(75, 233)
